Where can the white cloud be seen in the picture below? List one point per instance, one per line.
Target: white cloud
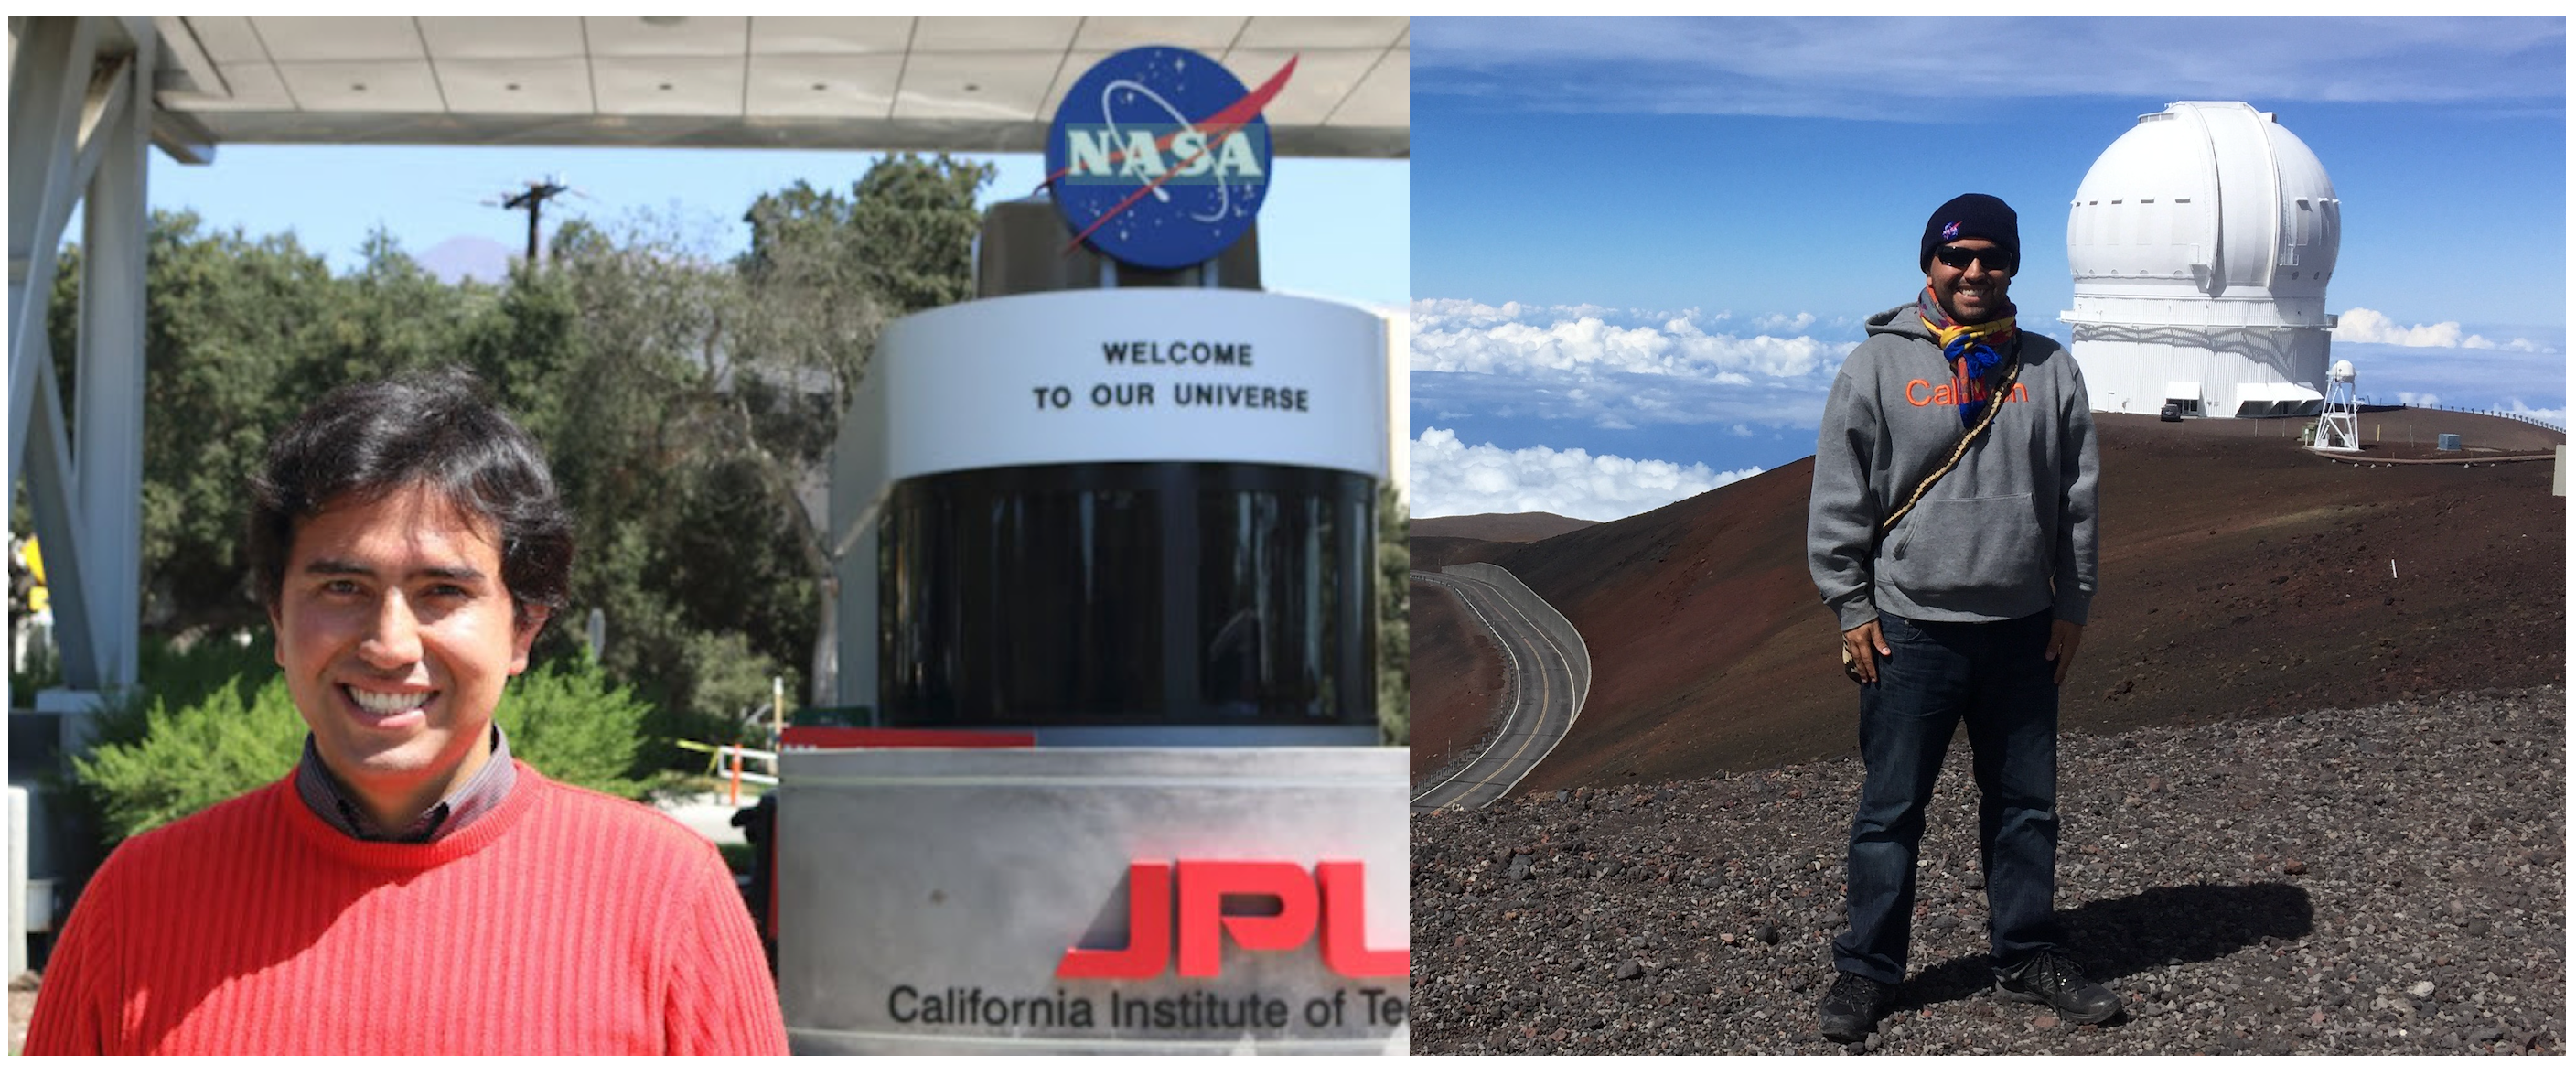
(1462, 336)
(2554, 415)
(1451, 478)
(1468, 312)
(2419, 399)
(2515, 344)
(2361, 325)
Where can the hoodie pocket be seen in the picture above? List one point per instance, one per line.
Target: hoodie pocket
(1954, 547)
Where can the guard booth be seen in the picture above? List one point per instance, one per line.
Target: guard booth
(1114, 532)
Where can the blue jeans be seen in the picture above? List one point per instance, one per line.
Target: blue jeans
(1996, 676)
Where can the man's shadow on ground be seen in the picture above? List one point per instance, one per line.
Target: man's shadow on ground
(2157, 927)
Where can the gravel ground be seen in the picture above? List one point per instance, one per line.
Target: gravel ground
(22, 1005)
(2376, 880)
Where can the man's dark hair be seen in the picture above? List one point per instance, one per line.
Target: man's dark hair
(437, 428)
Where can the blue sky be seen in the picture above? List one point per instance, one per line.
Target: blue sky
(1331, 227)
(1652, 241)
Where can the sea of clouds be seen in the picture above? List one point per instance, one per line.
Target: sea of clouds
(1451, 477)
(2361, 325)
(1610, 368)
(1585, 341)
(1605, 400)
(1599, 372)
(2446, 364)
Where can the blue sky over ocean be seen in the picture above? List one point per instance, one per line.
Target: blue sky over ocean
(1643, 247)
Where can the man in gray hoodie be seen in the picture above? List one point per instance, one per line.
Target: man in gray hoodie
(1969, 608)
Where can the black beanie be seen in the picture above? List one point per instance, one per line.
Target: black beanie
(1972, 216)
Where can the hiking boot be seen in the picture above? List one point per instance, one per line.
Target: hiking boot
(1853, 1006)
(2053, 979)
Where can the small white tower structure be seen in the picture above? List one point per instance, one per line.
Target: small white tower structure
(2201, 242)
(2339, 428)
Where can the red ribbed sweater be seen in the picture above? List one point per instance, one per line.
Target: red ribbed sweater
(564, 922)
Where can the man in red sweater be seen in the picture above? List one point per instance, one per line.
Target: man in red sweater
(411, 889)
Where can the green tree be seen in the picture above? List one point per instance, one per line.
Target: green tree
(239, 336)
(824, 273)
(1394, 617)
(235, 331)
(610, 347)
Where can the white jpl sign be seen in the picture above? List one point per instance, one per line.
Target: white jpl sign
(1130, 375)
(1097, 900)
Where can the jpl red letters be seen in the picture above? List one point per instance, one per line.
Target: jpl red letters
(1336, 889)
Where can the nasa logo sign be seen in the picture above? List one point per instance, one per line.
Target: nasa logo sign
(1160, 158)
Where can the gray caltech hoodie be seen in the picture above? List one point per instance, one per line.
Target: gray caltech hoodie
(2008, 533)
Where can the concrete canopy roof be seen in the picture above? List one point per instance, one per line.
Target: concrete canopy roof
(929, 84)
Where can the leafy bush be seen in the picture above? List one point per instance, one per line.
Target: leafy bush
(563, 718)
(199, 738)
(176, 758)
(186, 670)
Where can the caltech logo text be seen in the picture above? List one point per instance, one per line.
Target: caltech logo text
(1332, 896)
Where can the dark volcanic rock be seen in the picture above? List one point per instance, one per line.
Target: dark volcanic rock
(2428, 915)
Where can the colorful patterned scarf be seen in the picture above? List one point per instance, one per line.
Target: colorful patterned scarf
(1973, 350)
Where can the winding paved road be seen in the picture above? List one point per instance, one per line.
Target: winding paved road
(1539, 702)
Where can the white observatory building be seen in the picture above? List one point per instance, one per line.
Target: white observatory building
(2201, 243)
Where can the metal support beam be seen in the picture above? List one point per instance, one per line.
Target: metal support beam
(48, 84)
(109, 90)
(79, 127)
(182, 138)
(109, 423)
(49, 481)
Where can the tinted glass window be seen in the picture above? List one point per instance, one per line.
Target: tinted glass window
(1144, 593)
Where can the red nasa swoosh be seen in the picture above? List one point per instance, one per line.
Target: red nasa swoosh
(1229, 118)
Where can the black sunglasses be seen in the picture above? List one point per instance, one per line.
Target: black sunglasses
(1958, 258)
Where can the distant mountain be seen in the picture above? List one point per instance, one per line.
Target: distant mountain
(480, 258)
(1508, 528)
(1432, 553)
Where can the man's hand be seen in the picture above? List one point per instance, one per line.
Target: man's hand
(2063, 635)
(1867, 645)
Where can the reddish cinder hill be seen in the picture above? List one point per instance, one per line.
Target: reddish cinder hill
(2241, 576)
(1519, 528)
(1432, 552)
(1452, 713)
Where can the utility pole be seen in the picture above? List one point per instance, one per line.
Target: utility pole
(533, 201)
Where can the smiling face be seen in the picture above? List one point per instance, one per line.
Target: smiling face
(1973, 293)
(397, 634)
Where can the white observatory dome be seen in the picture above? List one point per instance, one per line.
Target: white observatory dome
(2201, 243)
(2205, 202)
